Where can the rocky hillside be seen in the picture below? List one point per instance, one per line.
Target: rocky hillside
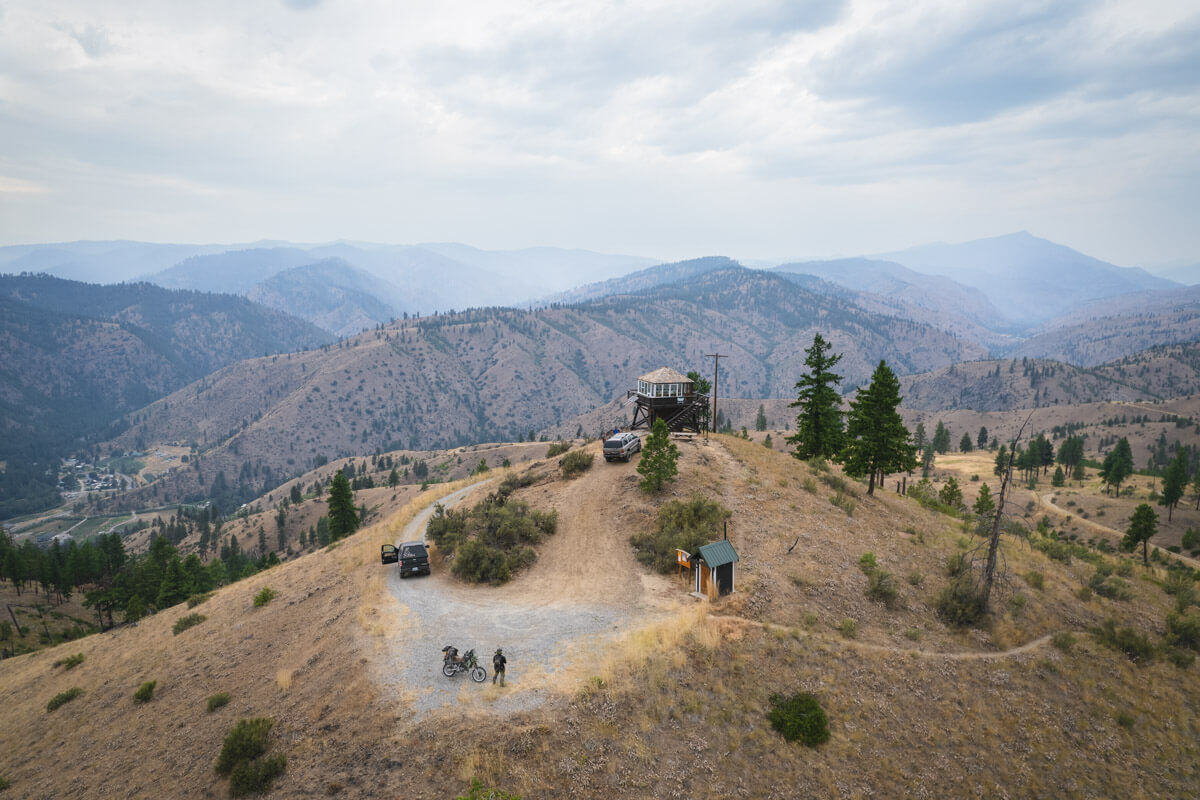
(1167, 371)
(836, 596)
(499, 374)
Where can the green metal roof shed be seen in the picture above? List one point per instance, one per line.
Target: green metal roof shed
(714, 568)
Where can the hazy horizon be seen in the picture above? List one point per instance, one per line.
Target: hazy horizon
(766, 131)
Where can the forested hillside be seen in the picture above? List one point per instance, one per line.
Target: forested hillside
(77, 356)
(499, 374)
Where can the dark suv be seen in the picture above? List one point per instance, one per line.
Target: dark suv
(620, 446)
(414, 559)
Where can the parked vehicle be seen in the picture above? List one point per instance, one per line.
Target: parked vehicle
(620, 446)
(389, 554)
(414, 559)
(452, 664)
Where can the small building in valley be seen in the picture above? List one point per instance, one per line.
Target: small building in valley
(713, 568)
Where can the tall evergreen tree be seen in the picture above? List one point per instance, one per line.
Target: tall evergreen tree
(659, 455)
(877, 442)
(941, 439)
(1118, 465)
(1174, 481)
(919, 438)
(1070, 452)
(1142, 527)
(965, 444)
(819, 421)
(343, 516)
(985, 506)
(760, 421)
(982, 441)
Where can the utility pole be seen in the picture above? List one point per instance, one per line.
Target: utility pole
(716, 357)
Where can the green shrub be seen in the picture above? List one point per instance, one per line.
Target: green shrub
(145, 692)
(1055, 549)
(491, 541)
(1124, 568)
(844, 502)
(217, 701)
(255, 776)
(1137, 646)
(189, 621)
(1112, 588)
(557, 449)
(913, 634)
(1063, 640)
(1183, 630)
(682, 525)
(514, 482)
(960, 603)
(839, 485)
(265, 595)
(1191, 538)
(882, 588)
(1125, 720)
(246, 742)
(1180, 657)
(70, 662)
(4, 784)
(809, 485)
(62, 698)
(575, 463)
(867, 563)
(799, 718)
(956, 565)
(197, 599)
(848, 628)
(916, 578)
(1035, 579)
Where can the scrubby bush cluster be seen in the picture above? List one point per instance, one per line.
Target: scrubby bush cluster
(265, 595)
(799, 718)
(145, 692)
(70, 662)
(961, 602)
(881, 584)
(1133, 643)
(188, 621)
(575, 463)
(62, 698)
(557, 449)
(493, 540)
(682, 525)
(244, 758)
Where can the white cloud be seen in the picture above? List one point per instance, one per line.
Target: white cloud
(751, 129)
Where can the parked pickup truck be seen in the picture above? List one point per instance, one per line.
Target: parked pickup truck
(620, 446)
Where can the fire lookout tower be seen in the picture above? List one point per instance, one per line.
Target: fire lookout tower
(665, 394)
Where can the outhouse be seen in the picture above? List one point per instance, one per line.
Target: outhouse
(712, 566)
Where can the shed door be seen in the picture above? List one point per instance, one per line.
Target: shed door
(724, 578)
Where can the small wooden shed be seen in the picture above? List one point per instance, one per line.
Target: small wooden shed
(713, 567)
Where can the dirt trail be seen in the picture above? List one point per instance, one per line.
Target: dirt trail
(903, 651)
(583, 590)
(1047, 501)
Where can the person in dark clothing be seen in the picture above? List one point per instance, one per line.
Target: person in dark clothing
(498, 662)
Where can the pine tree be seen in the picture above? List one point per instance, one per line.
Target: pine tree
(982, 441)
(659, 456)
(1001, 463)
(1142, 527)
(919, 440)
(1174, 481)
(985, 506)
(819, 421)
(1118, 465)
(1060, 477)
(876, 440)
(951, 494)
(343, 516)
(1078, 473)
(393, 478)
(760, 421)
(941, 439)
(965, 444)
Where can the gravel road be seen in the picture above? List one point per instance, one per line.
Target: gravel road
(538, 634)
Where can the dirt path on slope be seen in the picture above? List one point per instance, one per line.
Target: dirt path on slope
(1047, 501)
(584, 589)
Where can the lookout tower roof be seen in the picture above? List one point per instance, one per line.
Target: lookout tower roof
(665, 375)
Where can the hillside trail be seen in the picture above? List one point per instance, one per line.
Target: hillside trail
(584, 590)
(1029, 646)
(1047, 501)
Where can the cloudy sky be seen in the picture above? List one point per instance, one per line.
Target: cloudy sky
(754, 129)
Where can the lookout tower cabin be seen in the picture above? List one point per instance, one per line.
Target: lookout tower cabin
(665, 394)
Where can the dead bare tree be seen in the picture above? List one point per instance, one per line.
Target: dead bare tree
(989, 567)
